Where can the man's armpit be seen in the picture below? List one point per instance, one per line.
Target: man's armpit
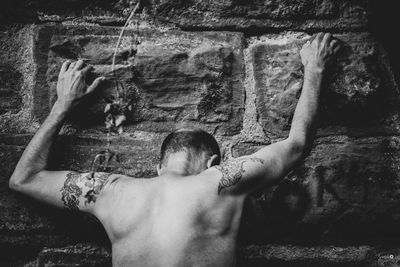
(232, 171)
(82, 188)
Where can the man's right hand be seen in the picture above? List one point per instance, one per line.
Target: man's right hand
(71, 85)
(318, 53)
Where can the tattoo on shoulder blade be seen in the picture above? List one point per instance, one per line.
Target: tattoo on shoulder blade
(232, 171)
(77, 185)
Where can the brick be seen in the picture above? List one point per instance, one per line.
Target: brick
(10, 83)
(16, 78)
(263, 15)
(136, 157)
(252, 16)
(192, 79)
(102, 12)
(360, 96)
(287, 255)
(89, 255)
(345, 191)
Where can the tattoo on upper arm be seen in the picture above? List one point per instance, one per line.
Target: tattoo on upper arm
(87, 185)
(71, 192)
(232, 171)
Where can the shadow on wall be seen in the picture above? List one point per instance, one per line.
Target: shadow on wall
(384, 25)
(10, 82)
(345, 192)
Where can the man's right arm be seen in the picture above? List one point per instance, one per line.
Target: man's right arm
(246, 174)
(76, 191)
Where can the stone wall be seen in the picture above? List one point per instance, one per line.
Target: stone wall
(232, 68)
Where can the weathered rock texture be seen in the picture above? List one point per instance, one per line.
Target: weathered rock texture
(360, 95)
(233, 69)
(190, 78)
(196, 14)
(345, 192)
(238, 14)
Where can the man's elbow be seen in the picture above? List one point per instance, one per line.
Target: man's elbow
(14, 184)
(300, 146)
(17, 182)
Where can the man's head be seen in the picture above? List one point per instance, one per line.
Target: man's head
(188, 151)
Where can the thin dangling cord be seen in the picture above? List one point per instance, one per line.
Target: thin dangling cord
(118, 44)
(104, 157)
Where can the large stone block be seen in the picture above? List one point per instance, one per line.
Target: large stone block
(252, 16)
(346, 191)
(360, 96)
(16, 78)
(135, 157)
(100, 11)
(10, 83)
(299, 256)
(192, 79)
(262, 15)
(87, 255)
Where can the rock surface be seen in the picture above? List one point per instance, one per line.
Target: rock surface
(91, 255)
(176, 78)
(347, 190)
(261, 15)
(360, 96)
(251, 16)
(232, 68)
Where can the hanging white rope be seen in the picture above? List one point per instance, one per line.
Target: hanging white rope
(120, 36)
(102, 160)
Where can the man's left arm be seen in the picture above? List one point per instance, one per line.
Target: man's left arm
(59, 188)
(244, 175)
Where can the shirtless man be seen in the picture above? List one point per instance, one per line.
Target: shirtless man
(190, 214)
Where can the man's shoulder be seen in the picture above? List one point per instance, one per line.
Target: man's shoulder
(121, 193)
(122, 188)
(120, 182)
(204, 184)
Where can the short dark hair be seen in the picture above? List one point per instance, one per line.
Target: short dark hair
(190, 140)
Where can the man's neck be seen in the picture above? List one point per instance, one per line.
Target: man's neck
(178, 165)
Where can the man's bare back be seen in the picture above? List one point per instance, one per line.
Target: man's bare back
(170, 221)
(190, 214)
